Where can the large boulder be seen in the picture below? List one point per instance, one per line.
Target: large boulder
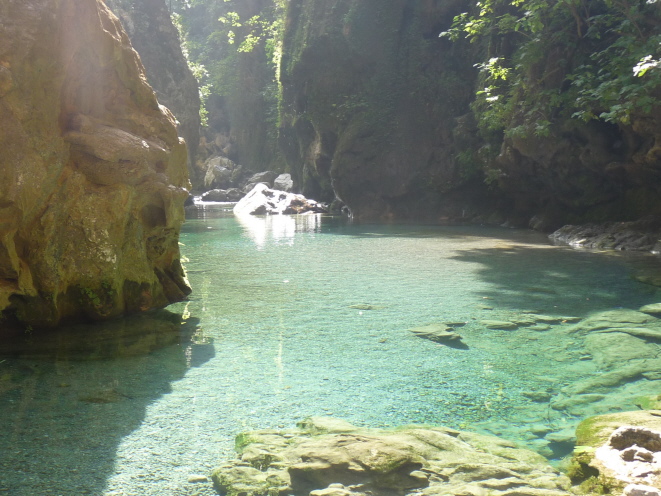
(328, 457)
(264, 200)
(284, 182)
(92, 173)
(619, 452)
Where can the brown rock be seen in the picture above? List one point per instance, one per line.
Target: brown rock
(92, 173)
(328, 458)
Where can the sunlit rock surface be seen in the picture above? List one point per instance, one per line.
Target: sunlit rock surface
(92, 172)
(264, 200)
(330, 457)
(619, 452)
(156, 39)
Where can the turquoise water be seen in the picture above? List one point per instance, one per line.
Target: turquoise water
(307, 315)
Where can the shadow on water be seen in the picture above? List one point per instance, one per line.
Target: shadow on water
(554, 279)
(68, 397)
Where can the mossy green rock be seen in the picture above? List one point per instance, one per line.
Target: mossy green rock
(92, 173)
(327, 456)
(588, 468)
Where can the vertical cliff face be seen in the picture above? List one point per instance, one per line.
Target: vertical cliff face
(92, 172)
(371, 96)
(155, 38)
(398, 122)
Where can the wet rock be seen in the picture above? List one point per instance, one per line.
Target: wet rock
(653, 308)
(606, 381)
(613, 319)
(540, 327)
(417, 460)
(263, 200)
(364, 306)
(638, 236)
(439, 333)
(498, 324)
(537, 396)
(222, 195)
(604, 459)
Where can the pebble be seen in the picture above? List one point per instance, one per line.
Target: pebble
(193, 479)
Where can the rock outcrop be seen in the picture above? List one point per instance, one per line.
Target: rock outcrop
(156, 39)
(642, 235)
(329, 457)
(92, 172)
(371, 99)
(619, 452)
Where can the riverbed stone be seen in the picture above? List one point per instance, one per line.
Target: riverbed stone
(498, 324)
(652, 308)
(439, 333)
(420, 460)
(610, 319)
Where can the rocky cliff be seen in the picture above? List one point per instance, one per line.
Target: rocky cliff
(93, 175)
(399, 122)
(153, 35)
(371, 100)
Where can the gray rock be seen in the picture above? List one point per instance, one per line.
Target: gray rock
(267, 177)
(283, 182)
(215, 195)
(218, 173)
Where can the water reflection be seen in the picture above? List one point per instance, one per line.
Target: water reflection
(69, 397)
(280, 228)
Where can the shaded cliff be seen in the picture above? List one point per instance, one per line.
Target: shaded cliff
(156, 39)
(93, 173)
(371, 97)
(543, 124)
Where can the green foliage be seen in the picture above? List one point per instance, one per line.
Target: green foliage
(549, 61)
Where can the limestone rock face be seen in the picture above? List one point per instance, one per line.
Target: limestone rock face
(153, 35)
(92, 172)
(371, 98)
(619, 451)
(327, 457)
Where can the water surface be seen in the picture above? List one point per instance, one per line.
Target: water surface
(308, 315)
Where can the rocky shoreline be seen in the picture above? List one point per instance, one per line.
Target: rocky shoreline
(617, 454)
(642, 235)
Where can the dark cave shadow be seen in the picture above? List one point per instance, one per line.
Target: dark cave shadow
(69, 398)
(557, 280)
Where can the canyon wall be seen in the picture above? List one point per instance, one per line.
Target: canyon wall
(156, 39)
(383, 110)
(92, 173)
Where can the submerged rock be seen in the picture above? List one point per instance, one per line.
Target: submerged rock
(439, 333)
(323, 458)
(263, 200)
(498, 324)
(652, 308)
(92, 173)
